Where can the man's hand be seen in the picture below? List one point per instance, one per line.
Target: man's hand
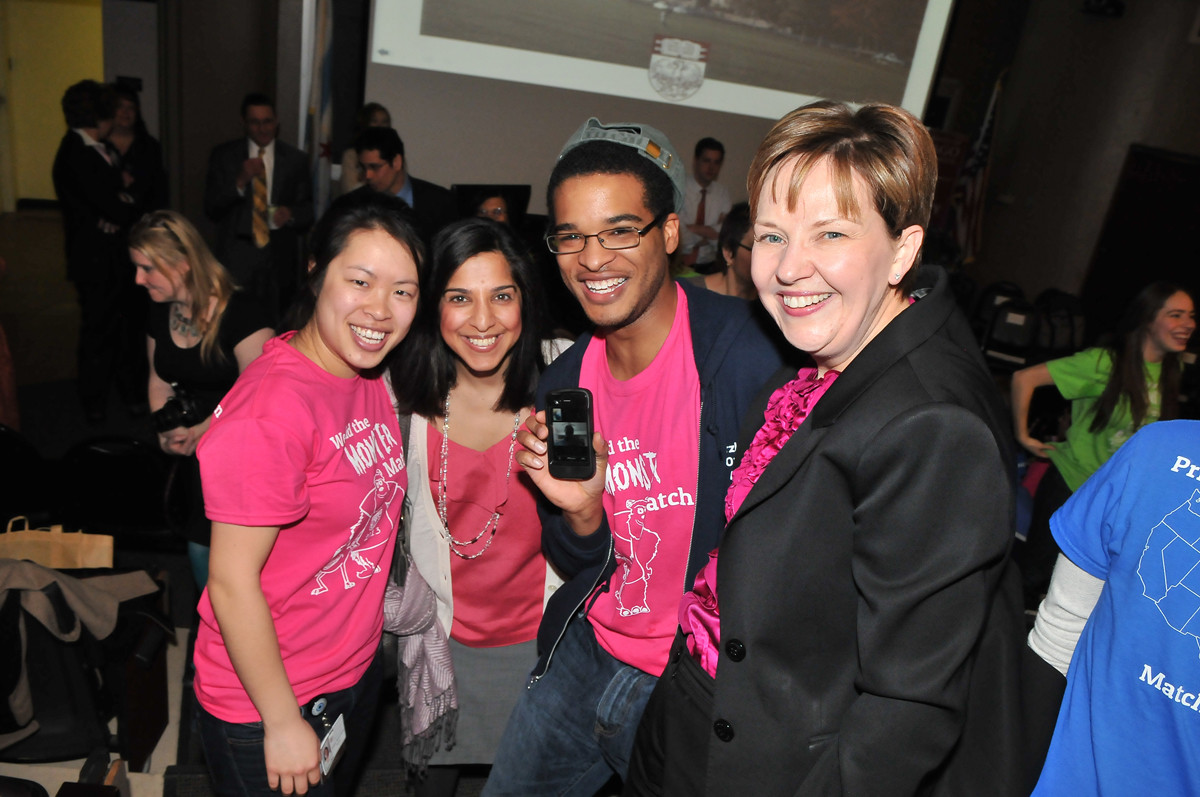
(282, 216)
(580, 501)
(251, 168)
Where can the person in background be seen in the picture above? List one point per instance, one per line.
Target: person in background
(733, 278)
(139, 154)
(381, 156)
(201, 334)
(468, 376)
(370, 115)
(1113, 391)
(259, 193)
(97, 210)
(672, 369)
(492, 205)
(304, 478)
(857, 631)
(705, 204)
(1120, 613)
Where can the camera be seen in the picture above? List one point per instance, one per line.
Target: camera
(180, 410)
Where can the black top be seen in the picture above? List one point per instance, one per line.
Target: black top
(206, 383)
(144, 160)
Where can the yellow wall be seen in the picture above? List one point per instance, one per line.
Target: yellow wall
(52, 44)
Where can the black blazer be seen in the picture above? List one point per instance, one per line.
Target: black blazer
(89, 191)
(432, 204)
(433, 208)
(291, 186)
(870, 625)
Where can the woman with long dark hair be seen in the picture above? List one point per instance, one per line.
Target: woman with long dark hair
(468, 378)
(1114, 391)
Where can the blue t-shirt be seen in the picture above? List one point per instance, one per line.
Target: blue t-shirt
(1130, 718)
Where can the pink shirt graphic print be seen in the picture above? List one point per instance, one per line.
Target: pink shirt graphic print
(319, 457)
(652, 425)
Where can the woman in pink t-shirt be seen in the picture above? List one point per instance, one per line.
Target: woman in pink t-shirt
(468, 377)
(303, 476)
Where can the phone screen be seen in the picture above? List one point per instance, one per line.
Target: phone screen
(569, 413)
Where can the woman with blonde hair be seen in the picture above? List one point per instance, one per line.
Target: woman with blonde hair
(201, 333)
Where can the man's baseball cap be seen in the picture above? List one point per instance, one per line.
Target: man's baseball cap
(650, 142)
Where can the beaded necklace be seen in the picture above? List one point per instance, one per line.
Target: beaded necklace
(494, 521)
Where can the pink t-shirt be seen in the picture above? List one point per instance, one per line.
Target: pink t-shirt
(652, 425)
(789, 405)
(497, 595)
(318, 456)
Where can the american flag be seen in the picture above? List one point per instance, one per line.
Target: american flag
(970, 192)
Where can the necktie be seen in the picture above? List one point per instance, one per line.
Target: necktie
(700, 207)
(262, 230)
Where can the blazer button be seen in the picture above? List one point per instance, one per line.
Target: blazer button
(735, 649)
(723, 730)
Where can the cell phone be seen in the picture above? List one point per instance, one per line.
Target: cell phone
(569, 447)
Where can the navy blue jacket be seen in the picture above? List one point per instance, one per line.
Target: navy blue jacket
(737, 349)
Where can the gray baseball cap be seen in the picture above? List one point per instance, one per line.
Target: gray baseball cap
(649, 141)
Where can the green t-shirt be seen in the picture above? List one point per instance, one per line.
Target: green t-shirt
(1081, 379)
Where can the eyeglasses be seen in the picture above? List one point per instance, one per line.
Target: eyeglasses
(494, 213)
(568, 243)
(743, 246)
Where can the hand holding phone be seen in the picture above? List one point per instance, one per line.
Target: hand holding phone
(580, 497)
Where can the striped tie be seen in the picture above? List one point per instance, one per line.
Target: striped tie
(262, 230)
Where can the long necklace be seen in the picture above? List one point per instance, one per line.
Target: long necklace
(493, 522)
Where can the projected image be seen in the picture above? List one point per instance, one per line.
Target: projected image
(855, 50)
(754, 57)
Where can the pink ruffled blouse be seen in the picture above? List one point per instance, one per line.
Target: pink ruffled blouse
(699, 615)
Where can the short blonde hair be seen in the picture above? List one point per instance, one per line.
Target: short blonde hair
(886, 146)
(167, 239)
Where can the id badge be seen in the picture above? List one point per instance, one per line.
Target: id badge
(331, 745)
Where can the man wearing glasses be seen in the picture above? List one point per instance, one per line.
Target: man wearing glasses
(671, 369)
(380, 153)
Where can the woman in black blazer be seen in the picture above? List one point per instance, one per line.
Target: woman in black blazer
(858, 631)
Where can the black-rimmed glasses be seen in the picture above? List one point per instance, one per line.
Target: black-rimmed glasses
(568, 243)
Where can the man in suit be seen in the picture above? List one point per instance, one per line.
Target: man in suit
(705, 203)
(259, 192)
(96, 210)
(381, 157)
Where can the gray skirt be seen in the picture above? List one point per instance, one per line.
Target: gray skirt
(489, 682)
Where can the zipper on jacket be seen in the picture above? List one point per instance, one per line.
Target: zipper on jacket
(692, 537)
(535, 678)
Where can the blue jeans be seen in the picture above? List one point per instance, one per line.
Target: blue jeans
(573, 728)
(234, 750)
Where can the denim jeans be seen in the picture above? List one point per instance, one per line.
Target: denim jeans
(573, 728)
(234, 750)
